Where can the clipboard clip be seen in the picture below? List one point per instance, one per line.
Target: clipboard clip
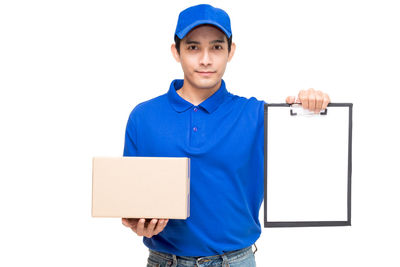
(304, 112)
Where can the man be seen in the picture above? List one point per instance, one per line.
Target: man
(222, 134)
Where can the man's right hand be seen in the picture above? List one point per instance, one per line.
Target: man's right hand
(142, 229)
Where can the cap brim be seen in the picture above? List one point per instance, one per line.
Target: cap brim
(186, 30)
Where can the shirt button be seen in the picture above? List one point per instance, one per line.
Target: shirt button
(195, 109)
(195, 129)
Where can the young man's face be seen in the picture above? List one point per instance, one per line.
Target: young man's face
(203, 56)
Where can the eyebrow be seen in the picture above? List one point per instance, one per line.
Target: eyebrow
(212, 42)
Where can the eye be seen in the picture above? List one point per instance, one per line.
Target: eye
(219, 47)
(192, 47)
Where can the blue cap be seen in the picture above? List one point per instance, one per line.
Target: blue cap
(202, 14)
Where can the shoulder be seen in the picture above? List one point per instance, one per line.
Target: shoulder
(146, 109)
(251, 102)
(149, 106)
(253, 107)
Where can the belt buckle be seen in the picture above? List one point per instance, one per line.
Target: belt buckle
(200, 260)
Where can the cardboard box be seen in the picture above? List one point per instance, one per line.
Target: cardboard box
(141, 187)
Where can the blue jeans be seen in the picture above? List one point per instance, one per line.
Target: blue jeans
(237, 258)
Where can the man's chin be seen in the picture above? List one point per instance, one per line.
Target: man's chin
(206, 83)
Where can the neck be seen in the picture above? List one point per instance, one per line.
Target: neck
(194, 94)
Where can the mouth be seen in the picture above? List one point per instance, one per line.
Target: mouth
(205, 73)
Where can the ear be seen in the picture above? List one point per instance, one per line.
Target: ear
(233, 48)
(175, 53)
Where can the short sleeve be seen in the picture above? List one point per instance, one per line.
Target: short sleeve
(261, 113)
(130, 146)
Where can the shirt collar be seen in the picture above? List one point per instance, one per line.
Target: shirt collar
(210, 104)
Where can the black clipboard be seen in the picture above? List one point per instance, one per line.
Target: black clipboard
(307, 165)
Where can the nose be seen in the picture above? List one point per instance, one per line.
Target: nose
(205, 58)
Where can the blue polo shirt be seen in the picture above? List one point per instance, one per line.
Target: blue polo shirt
(224, 139)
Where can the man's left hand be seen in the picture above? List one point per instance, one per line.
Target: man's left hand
(311, 100)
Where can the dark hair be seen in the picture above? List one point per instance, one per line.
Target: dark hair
(178, 43)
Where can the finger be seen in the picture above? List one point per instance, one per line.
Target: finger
(319, 97)
(126, 222)
(325, 101)
(140, 227)
(160, 226)
(290, 99)
(133, 222)
(150, 228)
(311, 99)
(129, 222)
(303, 98)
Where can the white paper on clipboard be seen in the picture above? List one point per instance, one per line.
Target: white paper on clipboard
(308, 166)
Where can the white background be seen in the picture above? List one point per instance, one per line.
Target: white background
(71, 72)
